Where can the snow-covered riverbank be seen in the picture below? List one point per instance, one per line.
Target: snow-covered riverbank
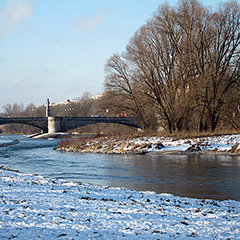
(229, 144)
(33, 207)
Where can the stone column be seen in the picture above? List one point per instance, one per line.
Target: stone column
(48, 113)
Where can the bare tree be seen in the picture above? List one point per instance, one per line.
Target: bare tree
(217, 66)
(119, 83)
(86, 96)
(185, 60)
(7, 109)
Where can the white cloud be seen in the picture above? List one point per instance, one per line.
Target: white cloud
(89, 25)
(13, 14)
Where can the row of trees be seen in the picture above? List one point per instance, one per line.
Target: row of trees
(18, 110)
(181, 69)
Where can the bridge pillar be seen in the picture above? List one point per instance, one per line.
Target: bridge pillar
(54, 125)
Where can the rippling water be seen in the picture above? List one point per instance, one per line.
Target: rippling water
(200, 176)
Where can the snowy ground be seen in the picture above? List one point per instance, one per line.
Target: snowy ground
(33, 207)
(224, 143)
(218, 144)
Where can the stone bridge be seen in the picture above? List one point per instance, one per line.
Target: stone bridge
(63, 124)
(51, 124)
(40, 122)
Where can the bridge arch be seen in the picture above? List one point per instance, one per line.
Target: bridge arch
(39, 122)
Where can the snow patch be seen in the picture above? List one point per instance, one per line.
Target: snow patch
(34, 207)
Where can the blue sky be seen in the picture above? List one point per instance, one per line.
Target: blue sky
(57, 49)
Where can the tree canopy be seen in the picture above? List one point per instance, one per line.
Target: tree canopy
(181, 68)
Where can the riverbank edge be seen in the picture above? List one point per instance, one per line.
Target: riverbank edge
(173, 152)
(109, 148)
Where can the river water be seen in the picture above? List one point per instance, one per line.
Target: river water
(198, 176)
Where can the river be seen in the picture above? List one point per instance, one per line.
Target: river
(197, 176)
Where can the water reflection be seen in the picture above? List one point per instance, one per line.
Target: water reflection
(200, 176)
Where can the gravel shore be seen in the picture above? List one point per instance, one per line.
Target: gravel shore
(225, 144)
